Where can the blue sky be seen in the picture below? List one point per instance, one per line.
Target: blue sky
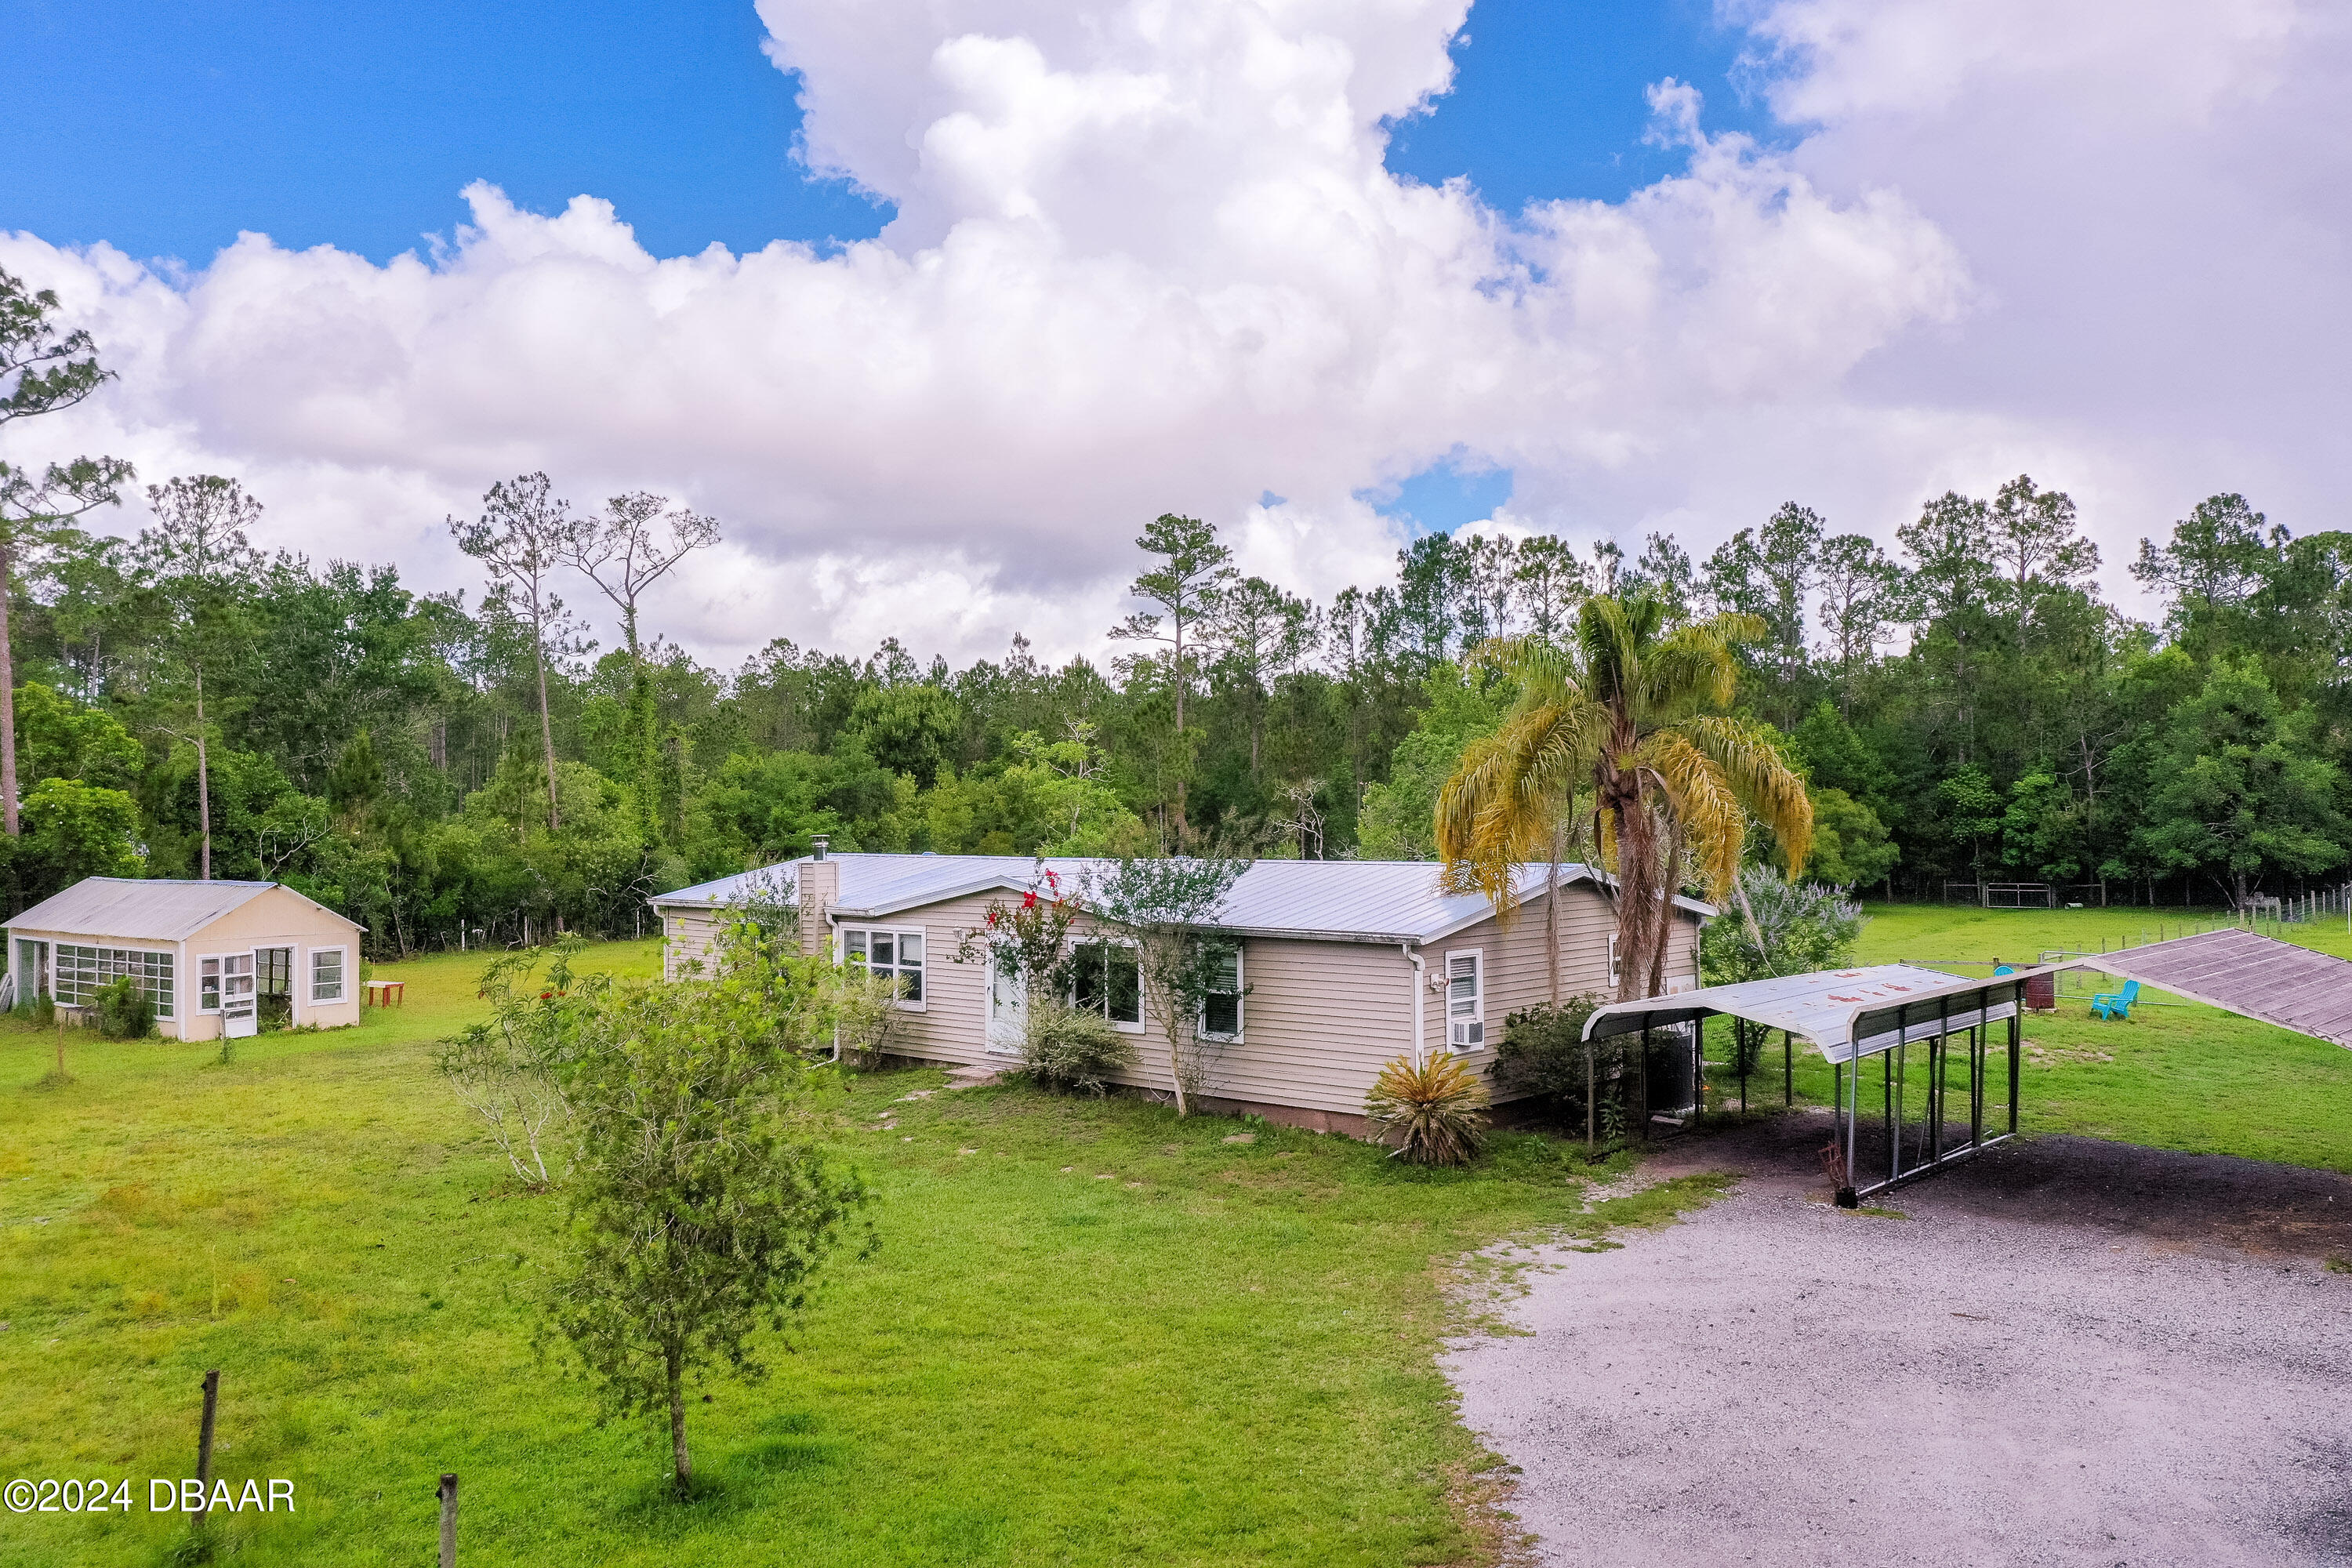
(1990, 250)
(166, 128)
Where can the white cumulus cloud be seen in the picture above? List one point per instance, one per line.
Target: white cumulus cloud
(1147, 257)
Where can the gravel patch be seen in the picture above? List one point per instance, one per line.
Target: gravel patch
(1773, 1380)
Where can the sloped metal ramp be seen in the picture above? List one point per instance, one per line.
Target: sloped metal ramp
(2247, 974)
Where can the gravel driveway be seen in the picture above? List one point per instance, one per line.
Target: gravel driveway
(1773, 1380)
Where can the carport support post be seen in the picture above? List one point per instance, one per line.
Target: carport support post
(1895, 1138)
(2016, 1040)
(1939, 1055)
(1591, 1108)
(1641, 1081)
(1844, 1102)
(1788, 1070)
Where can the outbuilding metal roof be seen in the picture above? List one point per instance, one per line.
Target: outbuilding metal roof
(140, 909)
(1344, 900)
(1845, 1012)
(2247, 973)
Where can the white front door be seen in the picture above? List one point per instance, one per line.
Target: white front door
(1008, 1011)
(237, 1020)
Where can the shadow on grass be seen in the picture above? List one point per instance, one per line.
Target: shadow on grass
(739, 1480)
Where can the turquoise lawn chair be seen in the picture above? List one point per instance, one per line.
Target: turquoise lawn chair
(2115, 1004)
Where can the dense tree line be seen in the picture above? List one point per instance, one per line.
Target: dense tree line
(1967, 707)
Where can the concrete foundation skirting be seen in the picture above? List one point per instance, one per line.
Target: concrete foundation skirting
(1340, 1121)
(1346, 1125)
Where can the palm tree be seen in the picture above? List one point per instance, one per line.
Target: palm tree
(1612, 737)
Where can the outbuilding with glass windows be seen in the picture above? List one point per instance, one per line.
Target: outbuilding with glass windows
(214, 957)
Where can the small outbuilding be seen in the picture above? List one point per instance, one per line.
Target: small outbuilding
(214, 957)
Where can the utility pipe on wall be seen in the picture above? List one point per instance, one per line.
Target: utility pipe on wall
(1420, 1004)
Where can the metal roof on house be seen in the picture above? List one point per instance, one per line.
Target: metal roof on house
(145, 909)
(1845, 1012)
(1345, 901)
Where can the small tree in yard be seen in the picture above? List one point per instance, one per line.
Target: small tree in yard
(703, 1196)
(1170, 908)
(509, 1069)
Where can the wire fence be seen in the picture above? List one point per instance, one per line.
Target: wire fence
(2291, 909)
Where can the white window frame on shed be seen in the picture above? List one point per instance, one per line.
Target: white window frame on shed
(160, 982)
(1466, 1012)
(342, 977)
(920, 968)
(1615, 969)
(1239, 993)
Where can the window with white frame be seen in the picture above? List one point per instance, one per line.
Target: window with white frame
(81, 971)
(326, 978)
(1613, 960)
(1221, 1000)
(889, 952)
(1465, 1000)
(1107, 977)
(208, 974)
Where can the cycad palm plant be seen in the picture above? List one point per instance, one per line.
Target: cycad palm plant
(1620, 732)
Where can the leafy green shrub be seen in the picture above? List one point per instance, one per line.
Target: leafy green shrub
(1543, 1056)
(44, 1011)
(124, 1013)
(1436, 1112)
(1542, 1050)
(1797, 927)
(1073, 1048)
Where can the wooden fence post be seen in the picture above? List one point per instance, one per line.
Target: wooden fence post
(204, 1443)
(449, 1521)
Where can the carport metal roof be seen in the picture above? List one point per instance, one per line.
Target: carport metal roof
(1845, 1012)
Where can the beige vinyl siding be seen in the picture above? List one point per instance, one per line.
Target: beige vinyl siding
(688, 937)
(953, 1024)
(1517, 974)
(1320, 1018)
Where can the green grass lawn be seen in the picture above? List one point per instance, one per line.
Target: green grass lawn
(1090, 1333)
(2173, 1077)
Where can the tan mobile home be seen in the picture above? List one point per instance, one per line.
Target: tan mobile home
(211, 956)
(1338, 967)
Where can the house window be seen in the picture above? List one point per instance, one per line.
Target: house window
(326, 975)
(895, 954)
(81, 971)
(1221, 1004)
(1465, 1000)
(1107, 977)
(1613, 960)
(208, 985)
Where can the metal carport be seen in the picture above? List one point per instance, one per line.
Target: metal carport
(1882, 1010)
